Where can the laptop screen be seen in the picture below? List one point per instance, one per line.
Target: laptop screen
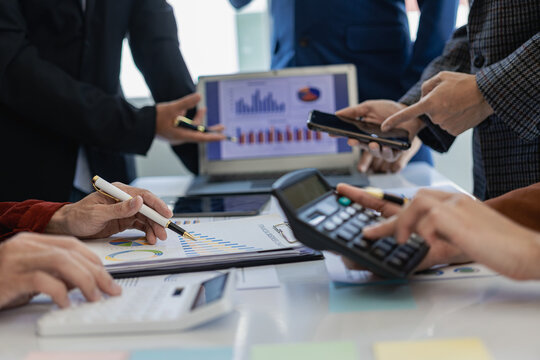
(268, 115)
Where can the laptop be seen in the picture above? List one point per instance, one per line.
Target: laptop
(267, 113)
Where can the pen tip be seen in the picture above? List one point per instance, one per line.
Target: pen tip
(189, 236)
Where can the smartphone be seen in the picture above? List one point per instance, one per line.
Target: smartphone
(224, 205)
(360, 130)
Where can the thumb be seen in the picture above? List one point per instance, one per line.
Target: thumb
(354, 112)
(123, 209)
(404, 115)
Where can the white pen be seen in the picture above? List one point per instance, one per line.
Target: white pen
(108, 189)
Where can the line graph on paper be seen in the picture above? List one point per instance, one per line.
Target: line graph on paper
(205, 245)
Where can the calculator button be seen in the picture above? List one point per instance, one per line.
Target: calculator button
(407, 249)
(416, 239)
(337, 220)
(357, 207)
(344, 215)
(344, 201)
(395, 262)
(352, 228)
(401, 255)
(317, 220)
(390, 241)
(329, 226)
(328, 206)
(363, 217)
(350, 210)
(361, 244)
(357, 223)
(379, 253)
(413, 244)
(384, 246)
(346, 235)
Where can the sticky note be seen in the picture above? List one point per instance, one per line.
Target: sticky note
(352, 298)
(307, 351)
(55, 355)
(451, 349)
(211, 353)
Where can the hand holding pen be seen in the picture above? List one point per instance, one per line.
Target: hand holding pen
(182, 121)
(166, 114)
(158, 221)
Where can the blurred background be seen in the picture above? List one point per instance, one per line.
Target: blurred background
(217, 39)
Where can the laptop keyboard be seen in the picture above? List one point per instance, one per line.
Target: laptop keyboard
(269, 175)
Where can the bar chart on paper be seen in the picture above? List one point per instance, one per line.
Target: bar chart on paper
(208, 245)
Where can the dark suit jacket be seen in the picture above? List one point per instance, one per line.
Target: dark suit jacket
(60, 89)
(372, 34)
(501, 45)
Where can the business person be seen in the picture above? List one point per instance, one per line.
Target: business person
(372, 34)
(62, 114)
(486, 79)
(503, 233)
(40, 254)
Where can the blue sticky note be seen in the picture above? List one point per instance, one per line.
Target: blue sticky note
(224, 353)
(354, 298)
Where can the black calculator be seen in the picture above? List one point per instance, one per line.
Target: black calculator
(323, 220)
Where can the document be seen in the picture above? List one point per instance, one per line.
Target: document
(222, 242)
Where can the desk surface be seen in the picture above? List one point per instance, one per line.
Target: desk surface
(501, 312)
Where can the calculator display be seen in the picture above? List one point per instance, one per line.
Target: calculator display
(304, 191)
(210, 291)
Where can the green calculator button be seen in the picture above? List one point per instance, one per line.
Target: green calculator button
(344, 201)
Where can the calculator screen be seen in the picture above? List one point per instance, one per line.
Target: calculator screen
(210, 291)
(304, 191)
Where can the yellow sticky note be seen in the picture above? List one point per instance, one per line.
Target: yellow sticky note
(451, 349)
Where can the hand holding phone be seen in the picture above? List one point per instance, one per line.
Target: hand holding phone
(360, 130)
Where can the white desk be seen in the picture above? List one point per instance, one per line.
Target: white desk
(503, 313)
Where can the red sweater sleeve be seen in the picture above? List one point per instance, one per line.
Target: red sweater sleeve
(521, 205)
(29, 215)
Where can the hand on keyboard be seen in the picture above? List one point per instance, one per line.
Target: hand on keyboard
(34, 263)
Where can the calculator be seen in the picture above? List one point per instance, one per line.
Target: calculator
(163, 306)
(324, 220)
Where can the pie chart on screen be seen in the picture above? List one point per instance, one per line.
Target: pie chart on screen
(309, 94)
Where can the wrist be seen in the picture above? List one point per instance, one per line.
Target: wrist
(58, 224)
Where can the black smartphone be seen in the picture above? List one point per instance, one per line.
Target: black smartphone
(360, 130)
(224, 205)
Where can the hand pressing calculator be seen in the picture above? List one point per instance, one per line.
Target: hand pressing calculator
(323, 220)
(161, 307)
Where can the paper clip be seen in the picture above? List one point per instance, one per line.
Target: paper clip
(281, 228)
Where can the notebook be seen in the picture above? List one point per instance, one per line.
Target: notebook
(267, 113)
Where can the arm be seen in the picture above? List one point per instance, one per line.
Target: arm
(510, 86)
(437, 22)
(31, 87)
(456, 58)
(30, 215)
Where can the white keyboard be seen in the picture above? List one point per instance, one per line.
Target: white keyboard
(164, 307)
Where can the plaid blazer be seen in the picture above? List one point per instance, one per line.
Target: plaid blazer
(501, 45)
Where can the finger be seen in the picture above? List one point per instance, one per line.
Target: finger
(376, 164)
(195, 136)
(355, 112)
(150, 236)
(185, 103)
(430, 84)
(121, 210)
(361, 197)
(199, 116)
(218, 128)
(365, 161)
(149, 199)
(382, 229)
(388, 154)
(71, 244)
(375, 149)
(384, 166)
(404, 115)
(104, 281)
(353, 142)
(42, 282)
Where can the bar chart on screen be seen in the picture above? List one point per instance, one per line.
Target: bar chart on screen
(273, 135)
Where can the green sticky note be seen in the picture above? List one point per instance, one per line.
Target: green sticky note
(354, 298)
(224, 353)
(307, 351)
